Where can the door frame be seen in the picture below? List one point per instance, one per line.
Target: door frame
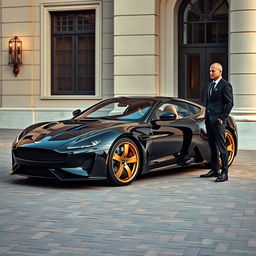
(206, 56)
(206, 50)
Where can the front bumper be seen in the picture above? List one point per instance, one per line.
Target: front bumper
(44, 163)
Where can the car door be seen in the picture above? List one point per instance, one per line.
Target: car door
(170, 139)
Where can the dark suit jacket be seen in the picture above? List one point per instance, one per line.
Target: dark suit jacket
(220, 103)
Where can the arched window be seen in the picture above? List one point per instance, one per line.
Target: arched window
(205, 22)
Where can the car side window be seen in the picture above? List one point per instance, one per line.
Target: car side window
(193, 109)
(185, 109)
(166, 107)
(182, 108)
(179, 108)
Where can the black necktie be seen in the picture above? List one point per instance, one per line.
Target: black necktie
(211, 88)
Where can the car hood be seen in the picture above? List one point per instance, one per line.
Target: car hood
(68, 132)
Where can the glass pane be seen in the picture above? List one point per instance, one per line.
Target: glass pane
(86, 70)
(73, 52)
(63, 43)
(211, 33)
(220, 11)
(82, 70)
(63, 23)
(86, 64)
(86, 85)
(56, 25)
(223, 32)
(57, 58)
(198, 33)
(193, 10)
(65, 84)
(63, 50)
(67, 43)
(86, 21)
(203, 20)
(86, 57)
(212, 4)
(63, 78)
(86, 42)
(193, 76)
(62, 69)
(58, 43)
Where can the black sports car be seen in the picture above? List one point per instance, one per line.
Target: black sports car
(117, 139)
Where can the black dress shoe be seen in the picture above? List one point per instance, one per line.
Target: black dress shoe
(209, 174)
(222, 177)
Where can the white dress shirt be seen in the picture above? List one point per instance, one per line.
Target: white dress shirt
(216, 82)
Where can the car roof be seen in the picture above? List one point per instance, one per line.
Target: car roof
(157, 98)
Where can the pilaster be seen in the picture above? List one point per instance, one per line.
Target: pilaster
(136, 47)
(243, 69)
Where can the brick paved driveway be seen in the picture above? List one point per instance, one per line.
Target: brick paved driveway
(168, 213)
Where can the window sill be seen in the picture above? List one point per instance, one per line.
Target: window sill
(71, 97)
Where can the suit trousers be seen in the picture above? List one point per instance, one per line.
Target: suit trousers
(217, 143)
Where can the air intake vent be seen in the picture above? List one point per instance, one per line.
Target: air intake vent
(36, 154)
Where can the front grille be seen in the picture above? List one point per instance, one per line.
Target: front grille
(37, 154)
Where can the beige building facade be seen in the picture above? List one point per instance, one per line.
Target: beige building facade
(136, 53)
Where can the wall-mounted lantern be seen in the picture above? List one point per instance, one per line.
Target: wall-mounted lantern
(15, 54)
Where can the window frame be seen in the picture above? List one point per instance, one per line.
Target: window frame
(177, 104)
(46, 55)
(204, 23)
(75, 35)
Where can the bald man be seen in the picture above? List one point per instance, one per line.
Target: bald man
(219, 103)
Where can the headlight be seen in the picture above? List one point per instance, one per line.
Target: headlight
(92, 143)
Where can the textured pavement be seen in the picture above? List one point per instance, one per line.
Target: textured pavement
(168, 213)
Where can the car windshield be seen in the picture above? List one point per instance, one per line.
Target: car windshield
(119, 109)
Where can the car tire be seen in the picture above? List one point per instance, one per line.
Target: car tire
(123, 162)
(231, 146)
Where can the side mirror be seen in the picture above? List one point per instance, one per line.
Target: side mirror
(76, 112)
(167, 116)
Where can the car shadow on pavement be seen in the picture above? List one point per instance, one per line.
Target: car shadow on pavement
(52, 183)
(177, 173)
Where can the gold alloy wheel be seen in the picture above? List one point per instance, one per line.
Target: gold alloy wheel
(230, 142)
(125, 162)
